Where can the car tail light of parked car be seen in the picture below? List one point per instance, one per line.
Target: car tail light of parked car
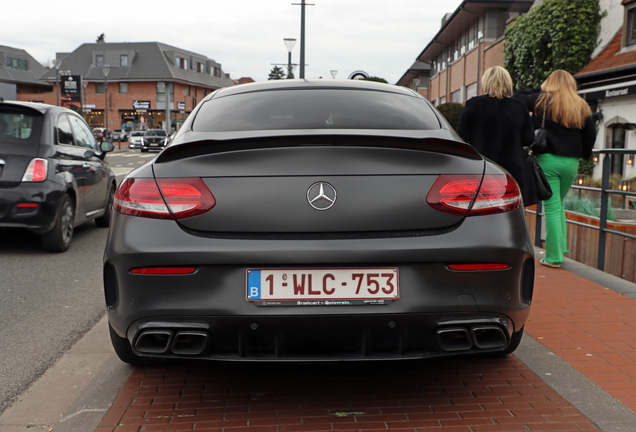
(36, 171)
(166, 199)
(455, 194)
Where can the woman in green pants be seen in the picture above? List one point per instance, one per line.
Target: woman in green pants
(570, 135)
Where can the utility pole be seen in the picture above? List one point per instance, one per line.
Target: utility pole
(302, 35)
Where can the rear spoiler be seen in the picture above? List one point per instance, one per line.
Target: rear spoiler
(211, 146)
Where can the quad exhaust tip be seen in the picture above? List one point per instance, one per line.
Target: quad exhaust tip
(183, 342)
(454, 339)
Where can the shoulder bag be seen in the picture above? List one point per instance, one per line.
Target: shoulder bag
(540, 144)
(539, 181)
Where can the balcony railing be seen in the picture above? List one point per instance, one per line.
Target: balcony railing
(605, 192)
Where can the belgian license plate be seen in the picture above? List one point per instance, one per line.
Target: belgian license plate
(154, 145)
(322, 287)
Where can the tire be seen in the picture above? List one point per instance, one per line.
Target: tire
(104, 220)
(59, 238)
(143, 150)
(123, 349)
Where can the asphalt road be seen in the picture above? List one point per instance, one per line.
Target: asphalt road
(47, 300)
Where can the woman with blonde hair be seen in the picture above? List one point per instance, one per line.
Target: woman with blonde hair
(570, 137)
(499, 127)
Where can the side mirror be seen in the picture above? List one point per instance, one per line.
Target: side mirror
(107, 146)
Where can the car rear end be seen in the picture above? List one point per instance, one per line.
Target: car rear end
(319, 243)
(29, 193)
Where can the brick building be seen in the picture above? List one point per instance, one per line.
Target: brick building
(20, 72)
(140, 84)
(470, 40)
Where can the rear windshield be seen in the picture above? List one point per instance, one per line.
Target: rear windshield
(315, 109)
(155, 133)
(19, 124)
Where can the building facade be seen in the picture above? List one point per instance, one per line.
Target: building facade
(470, 40)
(608, 83)
(19, 72)
(132, 86)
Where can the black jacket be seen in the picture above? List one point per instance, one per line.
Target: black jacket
(499, 129)
(562, 141)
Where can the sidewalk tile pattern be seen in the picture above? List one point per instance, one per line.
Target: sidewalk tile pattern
(590, 327)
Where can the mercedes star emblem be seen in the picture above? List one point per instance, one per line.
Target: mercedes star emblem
(321, 196)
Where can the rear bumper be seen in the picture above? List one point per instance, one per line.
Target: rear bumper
(39, 219)
(214, 297)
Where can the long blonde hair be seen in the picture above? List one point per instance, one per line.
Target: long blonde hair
(564, 105)
(496, 82)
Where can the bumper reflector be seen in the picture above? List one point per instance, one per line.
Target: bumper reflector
(478, 267)
(163, 270)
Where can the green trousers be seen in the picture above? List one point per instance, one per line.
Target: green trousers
(561, 172)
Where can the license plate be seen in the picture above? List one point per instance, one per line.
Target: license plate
(154, 145)
(318, 287)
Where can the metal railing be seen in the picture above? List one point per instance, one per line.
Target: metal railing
(605, 195)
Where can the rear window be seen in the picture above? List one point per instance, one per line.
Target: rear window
(155, 133)
(315, 109)
(19, 124)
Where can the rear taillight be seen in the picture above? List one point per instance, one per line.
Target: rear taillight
(171, 198)
(472, 195)
(36, 171)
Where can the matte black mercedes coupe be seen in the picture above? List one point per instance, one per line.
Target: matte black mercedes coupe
(312, 220)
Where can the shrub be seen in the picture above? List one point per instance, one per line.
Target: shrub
(451, 111)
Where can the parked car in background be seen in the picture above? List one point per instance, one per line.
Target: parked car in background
(53, 174)
(154, 139)
(119, 135)
(102, 134)
(317, 220)
(135, 139)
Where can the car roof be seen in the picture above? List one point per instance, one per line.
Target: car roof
(312, 84)
(42, 108)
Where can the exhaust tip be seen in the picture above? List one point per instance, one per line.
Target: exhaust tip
(454, 339)
(488, 337)
(190, 342)
(154, 341)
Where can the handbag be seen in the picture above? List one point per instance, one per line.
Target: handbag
(540, 144)
(538, 180)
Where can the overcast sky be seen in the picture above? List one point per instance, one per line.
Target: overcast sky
(379, 37)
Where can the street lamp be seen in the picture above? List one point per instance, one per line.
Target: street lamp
(85, 84)
(302, 5)
(105, 71)
(185, 100)
(334, 73)
(56, 63)
(289, 43)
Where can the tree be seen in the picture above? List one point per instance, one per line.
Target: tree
(101, 38)
(451, 111)
(276, 74)
(558, 34)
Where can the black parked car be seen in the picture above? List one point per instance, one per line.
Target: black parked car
(154, 139)
(308, 220)
(53, 175)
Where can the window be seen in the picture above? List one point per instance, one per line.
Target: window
(99, 88)
(185, 64)
(457, 96)
(618, 142)
(201, 68)
(471, 90)
(123, 60)
(14, 63)
(83, 134)
(25, 65)
(99, 60)
(161, 91)
(630, 38)
(64, 131)
(123, 87)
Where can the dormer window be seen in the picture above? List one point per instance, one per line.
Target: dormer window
(123, 60)
(99, 60)
(629, 28)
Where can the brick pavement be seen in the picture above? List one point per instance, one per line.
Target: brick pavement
(588, 326)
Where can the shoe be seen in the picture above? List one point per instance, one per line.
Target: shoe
(549, 264)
